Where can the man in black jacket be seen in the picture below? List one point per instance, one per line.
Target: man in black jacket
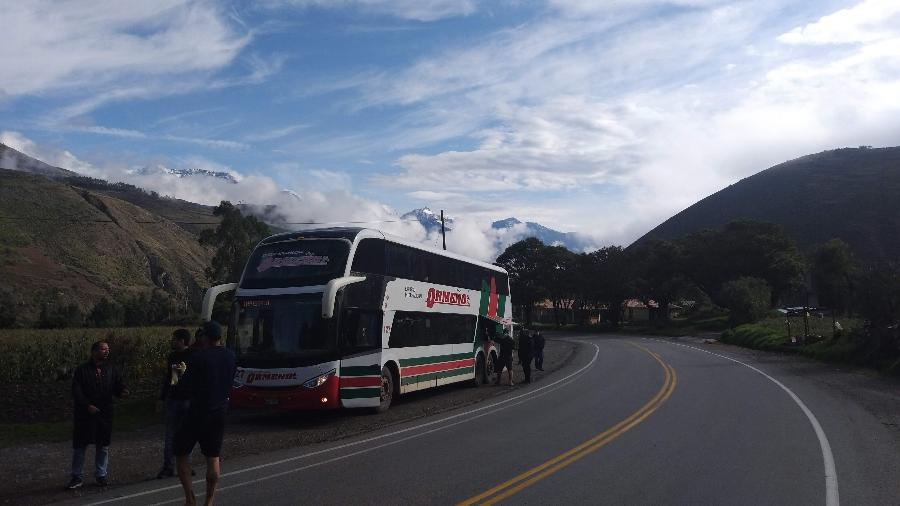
(174, 396)
(94, 384)
(538, 344)
(507, 344)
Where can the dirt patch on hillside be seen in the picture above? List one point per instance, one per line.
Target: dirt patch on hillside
(36, 473)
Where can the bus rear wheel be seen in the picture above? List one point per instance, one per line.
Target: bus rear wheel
(387, 390)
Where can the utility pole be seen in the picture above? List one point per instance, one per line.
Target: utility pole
(443, 233)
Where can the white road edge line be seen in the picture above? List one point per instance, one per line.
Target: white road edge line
(530, 394)
(832, 497)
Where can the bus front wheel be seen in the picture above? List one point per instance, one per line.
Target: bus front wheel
(387, 390)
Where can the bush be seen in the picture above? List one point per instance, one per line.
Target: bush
(748, 299)
(755, 336)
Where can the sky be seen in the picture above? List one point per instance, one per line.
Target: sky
(603, 118)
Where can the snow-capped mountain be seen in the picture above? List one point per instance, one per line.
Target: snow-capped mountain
(511, 229)
(191, 172)
(428, 219)
(546, 235)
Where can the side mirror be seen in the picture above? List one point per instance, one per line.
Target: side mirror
(209, 298)
(330, 293)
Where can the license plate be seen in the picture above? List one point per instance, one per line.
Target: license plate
(271, 402)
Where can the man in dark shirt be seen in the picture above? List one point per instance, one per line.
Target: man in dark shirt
(208, 377)
(174, 397)
(525, 353)
(94, 384)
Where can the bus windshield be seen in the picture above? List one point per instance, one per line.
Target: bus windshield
(281, 329)
(301, 262)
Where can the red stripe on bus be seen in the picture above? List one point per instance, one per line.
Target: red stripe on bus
(361, 381)
(424, 369)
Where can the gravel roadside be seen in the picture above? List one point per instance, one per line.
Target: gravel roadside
(36, 473)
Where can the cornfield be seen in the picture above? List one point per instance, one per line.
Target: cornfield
(45, 356)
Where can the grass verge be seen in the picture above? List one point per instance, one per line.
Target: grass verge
(129, 415)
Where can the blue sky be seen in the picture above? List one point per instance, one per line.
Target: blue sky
(603, 118)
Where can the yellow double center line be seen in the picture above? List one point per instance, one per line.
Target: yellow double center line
(532, 476)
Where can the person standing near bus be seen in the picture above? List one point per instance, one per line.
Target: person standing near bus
(538, 344)
(94, 384)
(505, 360)
(208, 378)
(526, 353)
(174, 397)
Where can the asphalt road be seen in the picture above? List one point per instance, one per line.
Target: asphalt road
(628, 421)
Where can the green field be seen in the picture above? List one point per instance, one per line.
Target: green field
(47, 355)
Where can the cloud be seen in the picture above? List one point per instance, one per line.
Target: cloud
(210, 143)
(90, 44)
(666, 109)
(115, 132)
(273, 134)
(869, 21)
(418, 10)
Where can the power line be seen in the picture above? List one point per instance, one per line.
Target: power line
(88, 220)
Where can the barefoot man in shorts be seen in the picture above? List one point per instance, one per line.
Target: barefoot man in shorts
(208, 378)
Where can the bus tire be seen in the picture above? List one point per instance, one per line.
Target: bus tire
(387, 390)
(481, 377)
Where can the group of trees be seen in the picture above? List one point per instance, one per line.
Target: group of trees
(140, 309)
(747, 267)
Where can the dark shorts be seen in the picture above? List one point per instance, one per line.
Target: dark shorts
(206, 428)
(503, 362)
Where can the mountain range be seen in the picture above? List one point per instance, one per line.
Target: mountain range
(69, 239)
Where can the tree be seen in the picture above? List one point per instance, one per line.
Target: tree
(877, 289)
(524, 261)
(832, 271)
(659, 267)
(743, 248)
(747, 298)
(611, 277)
(55, 317)
(7, 311)
(106, 313)
(559, 274)
(234, 240)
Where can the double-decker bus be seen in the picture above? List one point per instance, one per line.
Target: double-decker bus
(352, 317)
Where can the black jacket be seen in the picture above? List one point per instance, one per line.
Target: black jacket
(506, 346)
(525, 345)
(538, 341)
(96, 386)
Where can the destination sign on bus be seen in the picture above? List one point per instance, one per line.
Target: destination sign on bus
(290, 259)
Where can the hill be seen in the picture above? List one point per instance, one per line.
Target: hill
(851, 194)
(67, 244)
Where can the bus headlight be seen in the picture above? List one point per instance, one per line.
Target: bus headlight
(319, 380)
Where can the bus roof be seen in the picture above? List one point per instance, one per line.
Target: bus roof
(351, 233)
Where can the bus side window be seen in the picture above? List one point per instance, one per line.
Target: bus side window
(369, 257)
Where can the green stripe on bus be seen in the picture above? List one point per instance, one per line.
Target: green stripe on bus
(361, 370)
(406, 362)
(435, 375)
(360, 393)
